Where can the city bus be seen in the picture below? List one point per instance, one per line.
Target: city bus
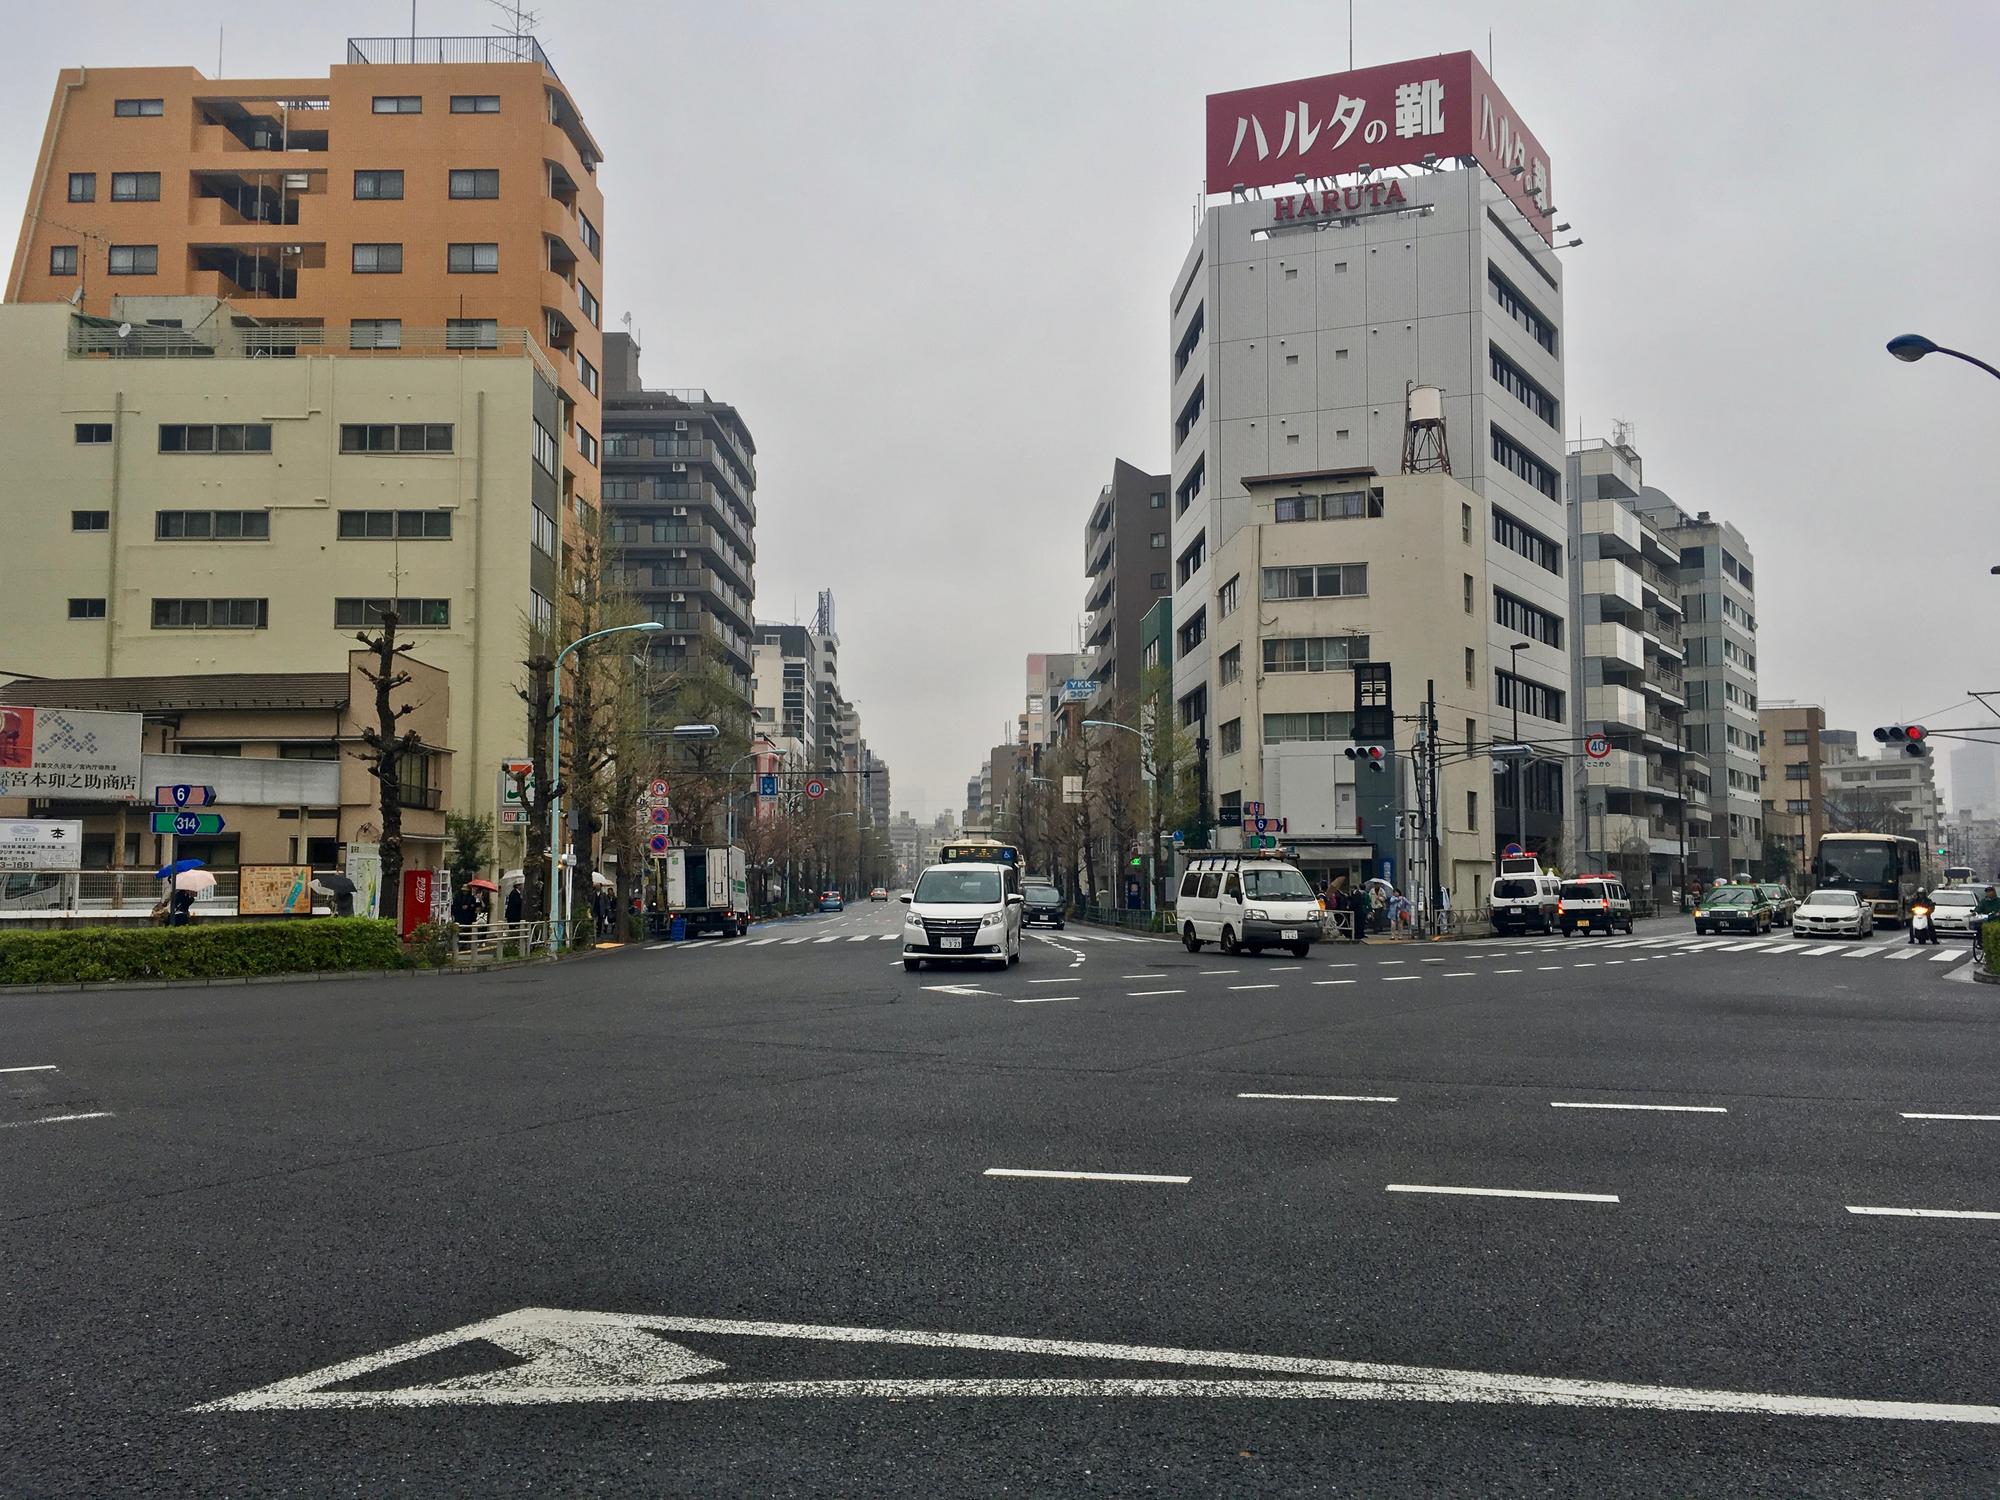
(1885, 869)
(979, 850)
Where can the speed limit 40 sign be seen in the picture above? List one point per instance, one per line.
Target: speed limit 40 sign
(1597, 747)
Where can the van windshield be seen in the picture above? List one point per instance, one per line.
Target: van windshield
(1284, 884)
(1583, 890)
(948, 887)
(1506, 888)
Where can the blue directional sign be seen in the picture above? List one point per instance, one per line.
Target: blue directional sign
(767, 785)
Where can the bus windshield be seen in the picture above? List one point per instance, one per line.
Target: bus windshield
(1866, 865)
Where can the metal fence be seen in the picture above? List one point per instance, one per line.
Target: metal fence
(508, 47)
(85, 894)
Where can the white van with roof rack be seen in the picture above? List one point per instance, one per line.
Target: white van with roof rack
(1247, 902)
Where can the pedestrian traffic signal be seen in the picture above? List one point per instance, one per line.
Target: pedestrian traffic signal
(1914, 738)
(1376, 756)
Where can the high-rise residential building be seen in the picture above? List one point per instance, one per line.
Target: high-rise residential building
(785, 705)
(680, 514)
(875, 788)
(1636, 812)
(1382, 302)
(1975, 778)
(1793, 769)
(1719, 645)
(404, 202)
(221, 512)
(975, 805)
(1125, 565)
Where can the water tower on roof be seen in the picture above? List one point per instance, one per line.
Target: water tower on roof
(1424, 448)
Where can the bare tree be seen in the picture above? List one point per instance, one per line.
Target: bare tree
(537, 788)
(1864, 810)
(386, 746)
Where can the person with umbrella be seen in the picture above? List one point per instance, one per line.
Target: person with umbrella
(185, 879)
(341, 891)
(483, 892)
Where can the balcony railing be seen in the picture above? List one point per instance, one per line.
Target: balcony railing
(144, 341)
(447, 50)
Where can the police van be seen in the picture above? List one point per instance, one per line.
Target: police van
(1594, 903)
(1247, 902)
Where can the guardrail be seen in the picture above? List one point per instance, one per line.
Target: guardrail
(499, 939)
(118, 893)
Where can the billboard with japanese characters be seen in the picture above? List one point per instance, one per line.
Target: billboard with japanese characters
(69, 754)
(1389, 116)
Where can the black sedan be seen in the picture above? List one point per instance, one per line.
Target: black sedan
(1734, 908)
(1044, 904)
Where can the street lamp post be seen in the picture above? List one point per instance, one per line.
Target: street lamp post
(1152, 852)
(557, 904)
(1911, 347)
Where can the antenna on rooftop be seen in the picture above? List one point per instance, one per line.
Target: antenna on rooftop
(516, 22)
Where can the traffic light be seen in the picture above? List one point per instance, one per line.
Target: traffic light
(1914, 738)
(1376, 756)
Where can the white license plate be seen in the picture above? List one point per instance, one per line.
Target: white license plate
(951, 942)
(1583, 921)
(1289, 934)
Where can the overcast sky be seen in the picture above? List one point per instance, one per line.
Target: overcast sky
(926, 250)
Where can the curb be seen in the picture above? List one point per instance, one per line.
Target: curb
(1980, 974)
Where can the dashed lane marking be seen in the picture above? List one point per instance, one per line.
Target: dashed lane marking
(1910, 1116)
(1392, 978)
(1253, 986)
(32, 1068)
(1673, 1109)
(1147, 994)
(99, 1114)
(1479, 1192)
(1335, 981)
(1088, 1176)
(1925, 1213)
(1329, 1098)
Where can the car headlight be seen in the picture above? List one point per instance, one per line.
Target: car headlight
(1699, 912)
(993, 919)
(1254, 914)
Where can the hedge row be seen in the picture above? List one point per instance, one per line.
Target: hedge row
(1989, 942)
(213, 950)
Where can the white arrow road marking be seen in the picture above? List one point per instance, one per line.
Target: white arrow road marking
(583, 1356)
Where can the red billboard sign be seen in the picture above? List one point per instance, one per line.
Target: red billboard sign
(1391, 116)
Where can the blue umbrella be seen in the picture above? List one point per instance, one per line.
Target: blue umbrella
(168, 872)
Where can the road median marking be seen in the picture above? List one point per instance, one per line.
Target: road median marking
(571, 1357)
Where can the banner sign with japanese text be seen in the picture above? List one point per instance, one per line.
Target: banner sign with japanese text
(69, 754)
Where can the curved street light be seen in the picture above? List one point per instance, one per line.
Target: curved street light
(1911, 347)
(557, 905)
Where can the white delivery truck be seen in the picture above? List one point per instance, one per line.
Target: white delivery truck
(709, 888)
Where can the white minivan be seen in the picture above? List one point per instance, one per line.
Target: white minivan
(963, 911)
(1524, 902)
(1244, 902)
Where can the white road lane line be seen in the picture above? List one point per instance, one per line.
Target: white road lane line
(1392, 978)
(1394, 961)
(1925, 1213)
(1048, 981)
(1145, 994)
(1506, 971)
(1749, 947)
(1547, 968)
(888, 937)
(861, 937)
(1432, 960)
(1910, 1116)
(761, 943)
(1040, 999)
(1909, 952)
(1335, 981)
(1676, 1109)
(1948, 957)
(1087, 1176)
(1586, 964)
(1341, 966)
(1824, 949)
(794, 942)
(1210, 973)
(34, 1068)
(1785, 948)
(1329, 1098)
(100, 1114)
(1475, 1192)
(1863, 952)
(1253, 986)
(1462, 974)
(1142, 976)
(1286, 968)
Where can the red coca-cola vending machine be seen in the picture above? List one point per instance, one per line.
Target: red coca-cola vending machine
(420, 890)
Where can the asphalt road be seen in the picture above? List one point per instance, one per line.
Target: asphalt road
(744, 1217)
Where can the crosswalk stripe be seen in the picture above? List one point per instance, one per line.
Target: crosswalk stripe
(1785, 948)
(1948, 957)
(1822, 951)
(888, 937)
(1864, 952)
(761, 943)
(1750, 947)
(860, 937)
(1909, 951)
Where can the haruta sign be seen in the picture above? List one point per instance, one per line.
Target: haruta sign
(1391, 116)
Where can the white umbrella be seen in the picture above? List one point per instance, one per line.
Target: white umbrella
(194, 880)
(602, 881)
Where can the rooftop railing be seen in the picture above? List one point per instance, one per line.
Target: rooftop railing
(447, 49)
(91, 340)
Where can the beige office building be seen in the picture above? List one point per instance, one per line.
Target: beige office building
(190, 492)
(1332, 569)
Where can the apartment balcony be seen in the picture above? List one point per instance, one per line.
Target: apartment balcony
(1615, 643)
(1664, 684)
(1617, 707)
(1613, 580)
(1618, 530)
(1616, 469)
(1620, 771)
(1663, 636)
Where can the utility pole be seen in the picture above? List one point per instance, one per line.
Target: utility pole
(1684, 815)
(1437, 872)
